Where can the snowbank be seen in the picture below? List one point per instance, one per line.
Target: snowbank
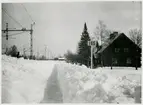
(24, 81)
(83, 85)
(29, 81)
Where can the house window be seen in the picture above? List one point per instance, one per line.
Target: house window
(114, 61)
(128, 61)
(117, 49)
(126, 50)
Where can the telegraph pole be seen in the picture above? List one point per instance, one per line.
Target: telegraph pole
(23, 29)
(6, 31)
(45, 51)
(37, 55)
(31, 33)
(24, 52)
(91, 56)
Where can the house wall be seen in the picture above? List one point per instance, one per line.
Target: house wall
(109, 54)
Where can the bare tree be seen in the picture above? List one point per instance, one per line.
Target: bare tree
(136, 36)
(101, 32)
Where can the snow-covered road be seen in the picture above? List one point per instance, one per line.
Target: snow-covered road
(29, 81)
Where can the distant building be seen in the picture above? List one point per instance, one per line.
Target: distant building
(118, 50)
(61, 59)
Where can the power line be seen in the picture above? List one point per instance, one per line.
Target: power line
(27, 12)
(14, 34)
(23, 29)
(11, 17)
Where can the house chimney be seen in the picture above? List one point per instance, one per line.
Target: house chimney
(113, 35)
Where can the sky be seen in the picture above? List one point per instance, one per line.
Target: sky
(59, 25)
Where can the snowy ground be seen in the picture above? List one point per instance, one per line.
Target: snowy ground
(29, 81)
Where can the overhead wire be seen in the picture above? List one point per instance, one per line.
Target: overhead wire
(11, 17)
(14, 34)
(27, 13)
(7, 13)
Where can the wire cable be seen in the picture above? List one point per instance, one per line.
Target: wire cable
(14, 34)
(27, 12)
(11, 17)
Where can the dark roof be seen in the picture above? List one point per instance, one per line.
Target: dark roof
(107, 43)
(110, 41)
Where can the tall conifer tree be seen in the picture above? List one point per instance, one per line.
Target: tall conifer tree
(83, 48)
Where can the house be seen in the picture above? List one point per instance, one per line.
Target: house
(61, 59)
(118, 50)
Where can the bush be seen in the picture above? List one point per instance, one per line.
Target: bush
(12, 51)
(71, 58)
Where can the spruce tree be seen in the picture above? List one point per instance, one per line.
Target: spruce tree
(83, 48)
(12, 51)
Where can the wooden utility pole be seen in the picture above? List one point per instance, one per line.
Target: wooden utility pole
(24, 52)
(37, 55)
(23, 29)
(6, 31)
(31, 44)
(45, 51)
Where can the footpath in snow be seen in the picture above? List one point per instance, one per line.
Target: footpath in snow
(27, 81)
